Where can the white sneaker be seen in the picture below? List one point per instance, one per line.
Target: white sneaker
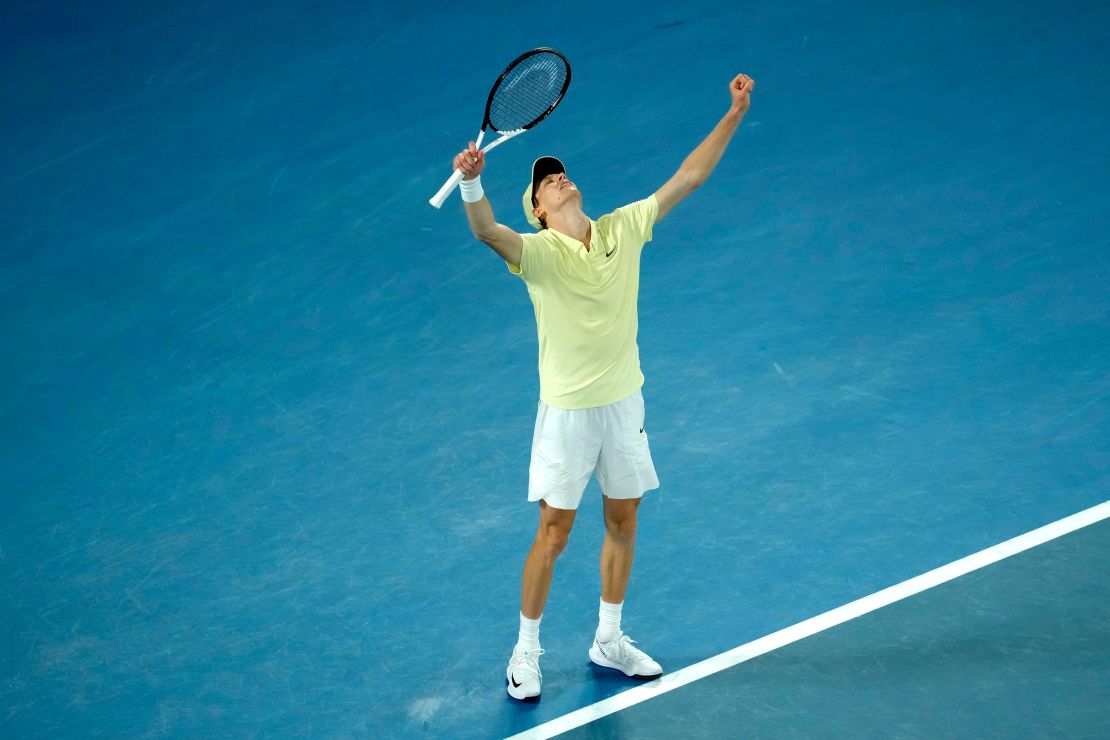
(618, 653)
(523, 674)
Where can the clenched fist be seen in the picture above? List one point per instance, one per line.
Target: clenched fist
(470, 161)
(740, 88)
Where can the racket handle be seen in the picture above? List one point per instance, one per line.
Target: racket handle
(452, 183)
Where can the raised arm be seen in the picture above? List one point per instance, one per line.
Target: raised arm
(501, 239)
(697, 167)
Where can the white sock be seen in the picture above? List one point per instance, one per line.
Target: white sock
(609, 621)
(529, 636)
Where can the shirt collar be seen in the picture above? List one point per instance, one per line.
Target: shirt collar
(573, 243)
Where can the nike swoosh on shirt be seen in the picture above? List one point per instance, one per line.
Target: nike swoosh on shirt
(607, 254)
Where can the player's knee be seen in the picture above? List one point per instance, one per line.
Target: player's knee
(554, 542)
(622, 529)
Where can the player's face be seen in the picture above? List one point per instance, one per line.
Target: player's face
(555, 190)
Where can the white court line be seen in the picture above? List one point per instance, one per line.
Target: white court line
(819, 623)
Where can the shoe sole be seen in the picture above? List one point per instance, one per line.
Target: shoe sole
(604, 662)
(522, 696)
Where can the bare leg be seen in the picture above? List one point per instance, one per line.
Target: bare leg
(619, 547)
(551, 538)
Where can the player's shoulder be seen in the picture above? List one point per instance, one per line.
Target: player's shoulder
(537, 245)
(538, 239)
(534, 236)
(643, 204)
(636, 210)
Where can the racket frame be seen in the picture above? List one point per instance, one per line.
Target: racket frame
(438, 199)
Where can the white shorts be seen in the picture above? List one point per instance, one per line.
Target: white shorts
(569, 445)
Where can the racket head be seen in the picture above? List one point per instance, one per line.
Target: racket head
(527, 91)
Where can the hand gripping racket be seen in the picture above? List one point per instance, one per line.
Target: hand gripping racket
(525, 94)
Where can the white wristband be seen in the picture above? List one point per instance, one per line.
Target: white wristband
(472, 190)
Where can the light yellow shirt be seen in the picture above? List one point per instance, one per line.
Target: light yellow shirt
(585, 305)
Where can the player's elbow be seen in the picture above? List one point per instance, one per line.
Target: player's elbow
(486, 236)
(691, 180)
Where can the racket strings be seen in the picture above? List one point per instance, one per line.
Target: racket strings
(527, 92)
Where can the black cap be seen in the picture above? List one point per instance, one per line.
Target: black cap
(541, 168)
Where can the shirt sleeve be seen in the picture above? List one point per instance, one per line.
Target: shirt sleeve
(638, 218)
(531, 263)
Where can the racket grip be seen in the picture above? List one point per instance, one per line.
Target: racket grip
(452, 183)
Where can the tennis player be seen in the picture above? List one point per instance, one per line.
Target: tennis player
(583, 278)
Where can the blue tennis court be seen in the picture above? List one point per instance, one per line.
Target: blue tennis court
(267, 415)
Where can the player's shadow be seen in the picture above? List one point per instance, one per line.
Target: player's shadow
(604, 682)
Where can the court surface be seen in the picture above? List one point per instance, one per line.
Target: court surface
(266, 414)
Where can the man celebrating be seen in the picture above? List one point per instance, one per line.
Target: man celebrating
(583, 277)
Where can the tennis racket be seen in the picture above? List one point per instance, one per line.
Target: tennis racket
(525, 94)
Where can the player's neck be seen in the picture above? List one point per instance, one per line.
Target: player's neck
(574, 224)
